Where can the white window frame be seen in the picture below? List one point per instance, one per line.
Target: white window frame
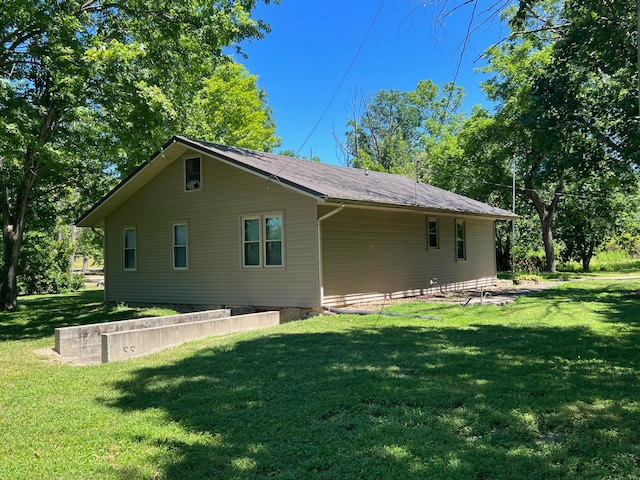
(266, 240)
(463, 224)
(244, 242)
(437, 234)
(262, 240)
(174, 245)
(125, 249)
(186, 179)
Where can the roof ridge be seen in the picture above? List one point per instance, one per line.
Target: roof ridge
(348, 183)
(306, 160)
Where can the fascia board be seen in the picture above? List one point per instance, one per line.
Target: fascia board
(129, 186)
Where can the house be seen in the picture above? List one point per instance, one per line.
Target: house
(207, 224)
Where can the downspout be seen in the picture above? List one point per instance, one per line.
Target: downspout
(320, 275)
(105, 293)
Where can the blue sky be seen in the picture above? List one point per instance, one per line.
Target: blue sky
(312, 43)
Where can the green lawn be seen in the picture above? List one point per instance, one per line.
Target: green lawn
(546, 388)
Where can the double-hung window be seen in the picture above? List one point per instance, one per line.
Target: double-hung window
(262, 241)
(461, 241)
(129, 248)
(179, 246)
(433, 241)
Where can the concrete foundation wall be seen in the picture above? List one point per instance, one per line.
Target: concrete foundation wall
(83, 342)
(135, 343)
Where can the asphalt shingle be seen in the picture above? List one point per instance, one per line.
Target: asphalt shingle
(349, 185)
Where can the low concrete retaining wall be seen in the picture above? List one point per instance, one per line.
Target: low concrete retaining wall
(135, 343)
(83, 342)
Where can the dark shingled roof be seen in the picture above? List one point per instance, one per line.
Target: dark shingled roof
(348, 185)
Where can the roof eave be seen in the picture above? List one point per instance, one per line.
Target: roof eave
(419, 208)
(96, 215)
(93, 217)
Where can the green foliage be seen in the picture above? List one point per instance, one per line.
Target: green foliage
(600, 208)
(400, 131)
(90, 243)
(565, 116)
(292, 153)
(230, 109)
(89, 88)
(610, 261)
(44, 265)
(628, 242)
(543, 388)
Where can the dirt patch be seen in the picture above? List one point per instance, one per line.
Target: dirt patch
(49, 355)
(505, 291)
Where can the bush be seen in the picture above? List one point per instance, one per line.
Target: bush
(77, 282)
(605, 261)
(44, 265)
(626, 242)
(615, 260)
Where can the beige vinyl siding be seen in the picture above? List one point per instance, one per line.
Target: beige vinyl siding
(371, 254)
(215, 275)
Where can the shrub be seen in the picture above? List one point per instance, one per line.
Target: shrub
(44, 265)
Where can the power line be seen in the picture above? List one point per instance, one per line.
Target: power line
(344, 77)
(560, 194)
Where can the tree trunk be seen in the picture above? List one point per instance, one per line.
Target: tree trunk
(587, 256)
(546, 213)
(13, 224)
(503, 252)
(547, 240)
(12, 239)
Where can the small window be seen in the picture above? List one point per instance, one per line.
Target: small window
(129, 248)
(273, 240)
(262, 241)
(193, 177)
(433, 241)
(180, 247)
(251, 242)
(461, 243)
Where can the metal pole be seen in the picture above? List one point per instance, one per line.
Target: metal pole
(513, 221)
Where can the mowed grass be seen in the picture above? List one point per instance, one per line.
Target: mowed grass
(544, 388)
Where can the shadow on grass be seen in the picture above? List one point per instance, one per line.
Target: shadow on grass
(619, 300)
(38, 317)
(404, 401)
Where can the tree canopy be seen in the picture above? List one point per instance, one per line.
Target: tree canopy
(89, 86)
(232, 110)
(396, 128)
(565, 95)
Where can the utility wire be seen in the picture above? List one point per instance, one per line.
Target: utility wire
(559, 194)
(344, 77)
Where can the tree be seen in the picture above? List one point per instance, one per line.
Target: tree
(230, 109)
(564, 80)
(554, 117)
(595, 211)
(89, 86)
(398, 130)
(292, 153)
(474, 165)
(90, 244)
(598, 37)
